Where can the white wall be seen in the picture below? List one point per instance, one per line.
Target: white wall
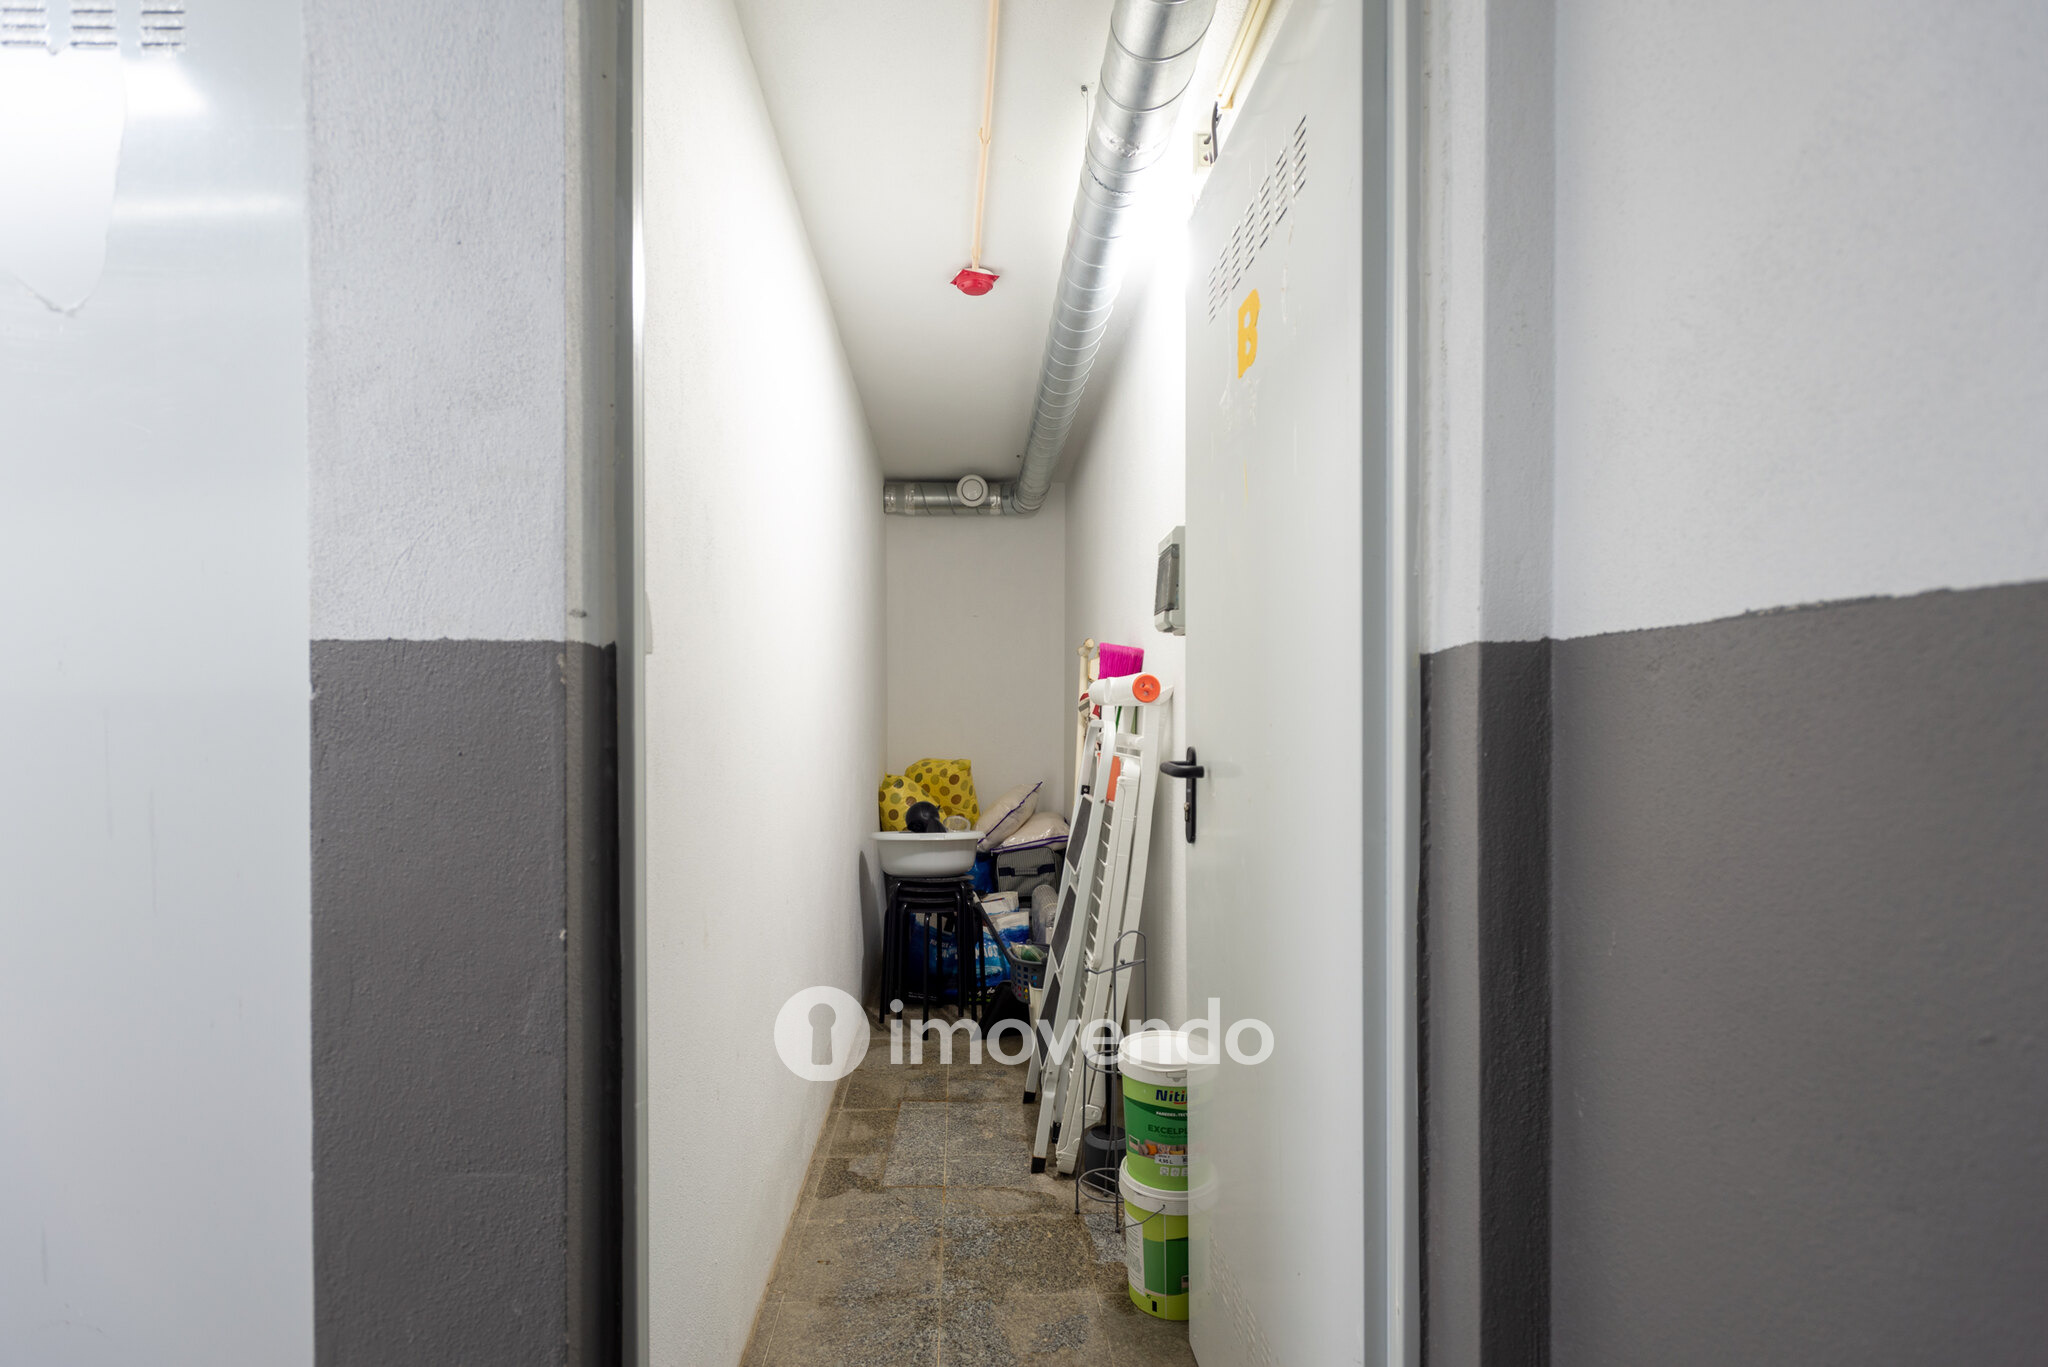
(1784, 277)
(763, 544)
(1484, 253)
(1802, 321)
(156, 1126)
(461, 415)
(979, 666)
(1127, 489)
(440, 495)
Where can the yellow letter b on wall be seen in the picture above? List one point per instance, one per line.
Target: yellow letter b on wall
(1247, 332)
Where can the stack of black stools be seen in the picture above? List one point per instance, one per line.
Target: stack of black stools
(944, 911)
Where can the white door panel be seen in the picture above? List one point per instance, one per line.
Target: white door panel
(155, 752)
(1286, 662)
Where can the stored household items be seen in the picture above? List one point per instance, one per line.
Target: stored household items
(1030, 859)
(1046, 828)
(1023, 871)
(897, 795)
(908, 854)
(1001, 818)
(949, 782)
(1154, 1065)
(1156, 1247)
(1006, 919)
(1044, 899)
(930, 934)
(1008, 929)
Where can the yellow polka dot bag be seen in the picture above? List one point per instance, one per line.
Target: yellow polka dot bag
(950, 783)
(897, 796)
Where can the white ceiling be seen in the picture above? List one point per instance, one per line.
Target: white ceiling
(876, 104)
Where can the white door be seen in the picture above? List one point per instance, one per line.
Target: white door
(156, 1102)
(1286, 703)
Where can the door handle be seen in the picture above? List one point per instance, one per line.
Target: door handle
(1190, 771)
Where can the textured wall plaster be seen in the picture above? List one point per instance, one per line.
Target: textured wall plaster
(440, 1037)
(1485, 348)
(1783, 277)
(975, 632)
(1127, 490)
(1800, 1086)
(764, 688)
(439, 337)
(1802, 329)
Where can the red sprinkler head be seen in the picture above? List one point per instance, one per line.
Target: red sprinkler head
(974, 282)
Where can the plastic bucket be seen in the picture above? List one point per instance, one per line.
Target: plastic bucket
(1154, 1064)
(1155, 1247)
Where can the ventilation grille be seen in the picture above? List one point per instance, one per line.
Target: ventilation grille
(24, 23)
(1284, 181)
(92, 26)
(163, 26)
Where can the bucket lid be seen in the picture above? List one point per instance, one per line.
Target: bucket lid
(1159, 1057)
(1149, 1198)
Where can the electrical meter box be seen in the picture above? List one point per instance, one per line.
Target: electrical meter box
(1167, 613)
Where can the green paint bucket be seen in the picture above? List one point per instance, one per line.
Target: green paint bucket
(1154, 1064)
(1155, 1247)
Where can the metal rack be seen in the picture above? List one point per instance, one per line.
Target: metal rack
(1100, 1185)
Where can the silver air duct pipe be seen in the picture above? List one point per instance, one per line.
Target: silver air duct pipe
(1153, 46)
(972, 496)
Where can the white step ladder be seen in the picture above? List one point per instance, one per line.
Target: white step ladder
(1102, 890)
(1083, 831)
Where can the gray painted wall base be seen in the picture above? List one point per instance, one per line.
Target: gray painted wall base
(464, 1002)
(1484, 1004)
(1801, 975)
(1797, 1031)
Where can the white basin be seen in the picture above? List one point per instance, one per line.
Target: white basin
(912, 854)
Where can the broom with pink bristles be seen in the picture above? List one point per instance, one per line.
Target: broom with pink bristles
(1115, 661)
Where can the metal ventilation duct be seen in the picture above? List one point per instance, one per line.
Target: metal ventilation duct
(1153, 46)
(971, 497)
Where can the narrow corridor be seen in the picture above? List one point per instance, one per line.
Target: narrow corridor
(924, 1237)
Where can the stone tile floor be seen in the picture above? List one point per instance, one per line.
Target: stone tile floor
(923, 1237)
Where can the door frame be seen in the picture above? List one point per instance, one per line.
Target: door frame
(630, 578)
(1403, 741)
(1401, 1179)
